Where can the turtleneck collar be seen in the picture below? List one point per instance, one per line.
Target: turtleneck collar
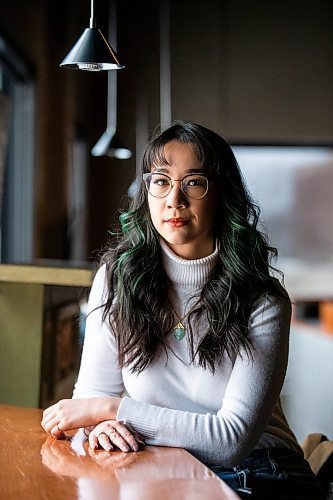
(187, 273)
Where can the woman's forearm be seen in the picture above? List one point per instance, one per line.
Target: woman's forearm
(70, 414)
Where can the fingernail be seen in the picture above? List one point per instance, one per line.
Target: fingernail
(125, 448)
(135, 447)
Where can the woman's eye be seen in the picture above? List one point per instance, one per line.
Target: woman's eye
(194, 182)
(160, 182)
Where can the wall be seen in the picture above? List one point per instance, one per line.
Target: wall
(256, 72)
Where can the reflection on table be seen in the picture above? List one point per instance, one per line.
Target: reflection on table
(33, 465)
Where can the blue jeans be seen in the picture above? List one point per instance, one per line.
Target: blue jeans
(272, 474)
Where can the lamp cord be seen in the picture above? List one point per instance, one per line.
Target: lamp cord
(92, 23)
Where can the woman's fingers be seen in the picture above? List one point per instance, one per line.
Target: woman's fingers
(57, 433)
(104, 441)
(45, 423)
(109, 433)
(101, 439)
(125, 437)
(55, 430)
(51, 422)
(122, 443)
(93, 440)
(107, 441)
(48, 410)
(52, 426)
(139, 439)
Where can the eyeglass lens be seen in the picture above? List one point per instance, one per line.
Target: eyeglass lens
(159, 185)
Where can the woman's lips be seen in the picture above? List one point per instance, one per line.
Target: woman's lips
(177, 222)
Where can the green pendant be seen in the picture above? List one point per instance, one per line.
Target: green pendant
(179, 331)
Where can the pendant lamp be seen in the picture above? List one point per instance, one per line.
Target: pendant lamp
(109, 143)
(92, 52)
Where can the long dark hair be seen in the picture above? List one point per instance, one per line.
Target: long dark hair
(137, 304)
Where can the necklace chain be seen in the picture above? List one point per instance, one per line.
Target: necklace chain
(179, 331)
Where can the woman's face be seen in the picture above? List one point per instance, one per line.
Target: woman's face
(186, 224)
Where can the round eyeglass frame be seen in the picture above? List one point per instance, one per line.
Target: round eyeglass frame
(147, 174)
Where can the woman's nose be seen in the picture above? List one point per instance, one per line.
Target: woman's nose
(176, 198)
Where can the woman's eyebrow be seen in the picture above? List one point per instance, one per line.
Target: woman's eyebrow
(187, 171)
(196, 170)
(160, 169)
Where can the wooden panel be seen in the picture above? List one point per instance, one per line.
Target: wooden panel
(22, 297)
(46, 275)
(37, 466)
(21, 317)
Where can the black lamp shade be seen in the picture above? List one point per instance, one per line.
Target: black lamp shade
(91, 52)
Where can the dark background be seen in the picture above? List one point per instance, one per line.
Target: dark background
(253, 71)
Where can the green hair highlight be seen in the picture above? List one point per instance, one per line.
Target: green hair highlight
(138, 306)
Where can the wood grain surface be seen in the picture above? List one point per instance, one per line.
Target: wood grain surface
(35, 466)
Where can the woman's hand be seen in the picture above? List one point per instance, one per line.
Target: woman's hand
(70, 414)
(113, 433)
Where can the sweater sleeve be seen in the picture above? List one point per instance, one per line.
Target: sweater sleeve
(229, 436)
(100, 374)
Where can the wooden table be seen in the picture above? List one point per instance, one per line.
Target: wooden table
(34, 466)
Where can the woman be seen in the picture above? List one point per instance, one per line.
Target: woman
(185, 316)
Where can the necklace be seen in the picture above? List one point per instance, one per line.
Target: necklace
(179, 330)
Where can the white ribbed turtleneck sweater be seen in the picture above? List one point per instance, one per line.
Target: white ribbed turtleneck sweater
(220, 418)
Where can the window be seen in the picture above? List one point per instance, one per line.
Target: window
(293, 186)
(16, 157)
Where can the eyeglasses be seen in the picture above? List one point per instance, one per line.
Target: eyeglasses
(194, 186)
